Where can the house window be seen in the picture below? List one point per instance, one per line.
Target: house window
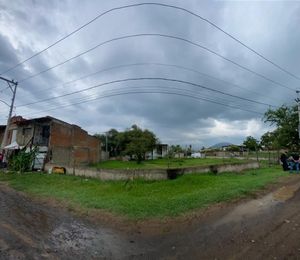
(46, 131)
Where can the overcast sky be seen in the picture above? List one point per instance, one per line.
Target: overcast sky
(184, 114)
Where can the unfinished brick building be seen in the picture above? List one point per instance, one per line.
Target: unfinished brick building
(63, 144)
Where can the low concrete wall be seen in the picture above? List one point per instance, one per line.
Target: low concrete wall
(107, 174)
(222, 168)
(153, 174)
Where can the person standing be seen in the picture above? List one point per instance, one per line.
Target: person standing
(284, 162)
(296, 161)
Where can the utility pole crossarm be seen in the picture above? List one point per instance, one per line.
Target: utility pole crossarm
(9, 81)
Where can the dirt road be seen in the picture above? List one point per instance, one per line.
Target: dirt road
(267, 227)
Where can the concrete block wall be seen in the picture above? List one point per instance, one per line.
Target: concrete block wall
(79, 136)
(94, 145)
(61, 135)
(117, 175)
(223, 168)
(61, 155)
(152, 174)
(80, 148)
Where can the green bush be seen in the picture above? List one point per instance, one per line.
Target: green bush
(22, 161)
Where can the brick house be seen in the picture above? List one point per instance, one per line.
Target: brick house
(64, 144)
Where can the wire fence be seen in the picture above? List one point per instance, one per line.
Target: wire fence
(266, 157)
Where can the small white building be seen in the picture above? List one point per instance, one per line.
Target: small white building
(197, 155)
(160, 151)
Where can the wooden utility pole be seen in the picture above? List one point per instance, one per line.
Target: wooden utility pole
(298, 103)
(13, 87)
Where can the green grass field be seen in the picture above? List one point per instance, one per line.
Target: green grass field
(144, 199)
(165, 163)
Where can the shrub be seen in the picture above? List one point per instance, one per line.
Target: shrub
(22, 161)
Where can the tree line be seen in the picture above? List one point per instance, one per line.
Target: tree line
(136, 142)
(285, 135)
(133, 142)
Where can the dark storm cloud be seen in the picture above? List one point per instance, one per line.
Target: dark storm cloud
(7, 54)
(175, 119)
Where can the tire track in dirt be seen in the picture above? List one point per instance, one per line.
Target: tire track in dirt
(22, 237)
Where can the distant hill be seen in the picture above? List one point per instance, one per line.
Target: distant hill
(220, 145)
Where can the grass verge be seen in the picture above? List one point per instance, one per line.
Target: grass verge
(141, 199)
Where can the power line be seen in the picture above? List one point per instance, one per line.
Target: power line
(163, 36)
(151, 64)
(162, 5)
(5, 103)
(141, 79)
(137, 79)
(148, 92)
(151, 87)
(145, 87)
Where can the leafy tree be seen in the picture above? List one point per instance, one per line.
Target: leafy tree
(251, 143)
(269, 141)
(136, 142)
(174, 149)
(233, 148)
(112, 139)
(188, 151)
(286, 121)
(102, 138)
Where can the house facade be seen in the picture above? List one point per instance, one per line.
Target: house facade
(160, 151)
(62, 144)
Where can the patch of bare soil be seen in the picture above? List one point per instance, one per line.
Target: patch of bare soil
(263, 227)
(33, 230)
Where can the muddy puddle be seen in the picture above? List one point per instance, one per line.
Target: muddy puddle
(259, 206)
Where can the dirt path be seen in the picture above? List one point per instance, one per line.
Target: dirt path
(33, 230)
(263, 228)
